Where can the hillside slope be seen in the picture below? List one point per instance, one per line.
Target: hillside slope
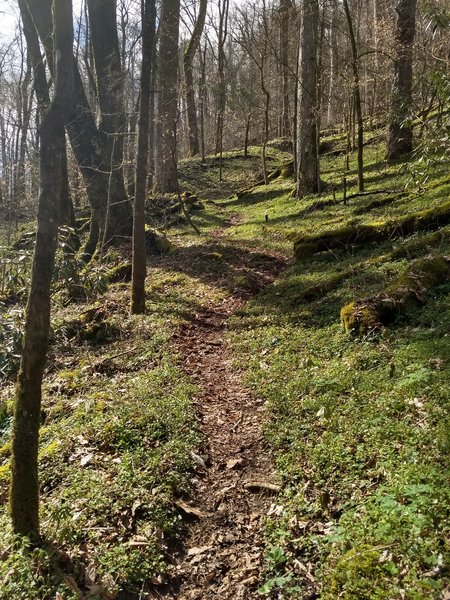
(356, 421)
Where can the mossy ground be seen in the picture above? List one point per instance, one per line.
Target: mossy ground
(359, 427)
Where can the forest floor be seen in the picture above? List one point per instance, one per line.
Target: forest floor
(235, 442)
(223, 554)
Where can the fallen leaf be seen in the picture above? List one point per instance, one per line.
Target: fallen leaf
(198, 550)
(188, 509)
(234, 462)
(86, 459)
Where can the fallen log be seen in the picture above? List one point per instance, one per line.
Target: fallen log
(356, 235)
(405, 293)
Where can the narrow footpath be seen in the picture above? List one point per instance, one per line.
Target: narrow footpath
(223, 554)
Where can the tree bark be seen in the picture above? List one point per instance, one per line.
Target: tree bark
(334, 59)
(400, 135)
(357, 96)
(88, 147)
(191, 49)
(284, 11)
(25, 483)
(307, 152)
(139, 261)
(167, 176)
(224, 6)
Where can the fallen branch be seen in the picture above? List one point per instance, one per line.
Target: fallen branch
(254, 486)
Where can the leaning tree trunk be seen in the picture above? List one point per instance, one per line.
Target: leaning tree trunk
(400, 135)
(27, 410)
(167, 176)
(188, 58)
(139, 263)
(307, 152)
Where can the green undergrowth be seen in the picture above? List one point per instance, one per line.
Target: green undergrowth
(360, 426)
(118, 429)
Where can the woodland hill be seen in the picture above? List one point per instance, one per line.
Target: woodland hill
(224, 277)
(146, 482)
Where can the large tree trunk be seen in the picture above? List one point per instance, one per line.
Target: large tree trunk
(139, 263)
(27, 412)
(400, 136)
(167, 176)
(308, 179)
(110, 93)
(189, 53)
(88, 144)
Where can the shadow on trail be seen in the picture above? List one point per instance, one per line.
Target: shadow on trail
(253, 197)
(241, 271)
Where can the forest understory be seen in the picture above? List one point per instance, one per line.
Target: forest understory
(268, 429)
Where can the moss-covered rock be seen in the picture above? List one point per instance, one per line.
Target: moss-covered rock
(358, 574)
(156, 243)
(356, 235)
(405, 293)
(120, 273)
(92, 326)
(287, 170)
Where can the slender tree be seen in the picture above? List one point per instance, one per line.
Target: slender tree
(188, 59)
(400, 135)
(356, 95)
(167, 176)
(27, 410)
(308, 178)
(285, 13)
(148, 11)
(222, 34)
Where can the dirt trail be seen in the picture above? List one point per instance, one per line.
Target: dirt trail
(223, 553)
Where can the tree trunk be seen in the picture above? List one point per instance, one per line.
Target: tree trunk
(222, 92)
(27, 410)
(88, 147)
(307, 152)
(167, 176)
(139, 261)
(191, 49)
(334, 59)
(400, 135)
(284, 8)
(356, 96)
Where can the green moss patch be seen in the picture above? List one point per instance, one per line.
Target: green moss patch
(405, 293)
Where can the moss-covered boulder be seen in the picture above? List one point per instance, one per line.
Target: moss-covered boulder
(306, 245)
(120, 273)
(92, 326)
(157, 243)
(405, 293)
